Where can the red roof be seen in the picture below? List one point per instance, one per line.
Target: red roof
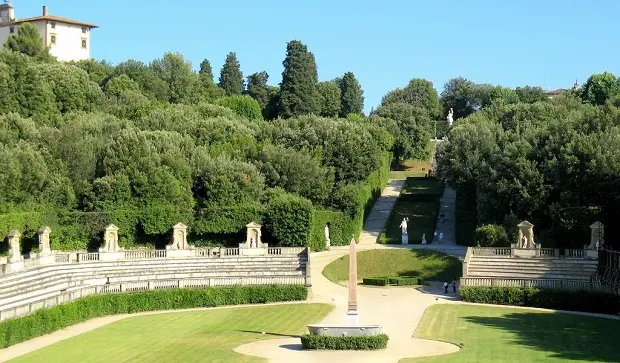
(50, 18)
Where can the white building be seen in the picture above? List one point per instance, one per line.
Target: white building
(67, 39)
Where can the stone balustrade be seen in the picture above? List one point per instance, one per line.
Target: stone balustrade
(77, 293)
(572, 285)
(33, 260)
(532, 252)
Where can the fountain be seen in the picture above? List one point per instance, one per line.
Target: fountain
(352, 328)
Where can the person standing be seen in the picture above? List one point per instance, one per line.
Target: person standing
(454, 287)
(445, 287)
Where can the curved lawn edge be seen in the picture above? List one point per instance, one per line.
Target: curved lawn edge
(46, 321)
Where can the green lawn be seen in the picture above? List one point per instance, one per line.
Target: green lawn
(419, 201)
(495, 334)
(413, 168)
(198, 336)
(429, 265)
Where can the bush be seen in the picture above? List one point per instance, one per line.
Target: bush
(543, 298)
(242, 105)
(324, 342)
(376, 281)
(396, 280)
(492, 235)
(49, 320)
(288, 219)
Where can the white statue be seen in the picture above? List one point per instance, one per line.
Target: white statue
(403, 226)
(524, 242)
(450, 117)
(597, 245)
(423, 238)
(327, 240)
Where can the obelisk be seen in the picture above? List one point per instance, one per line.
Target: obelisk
(352, 307)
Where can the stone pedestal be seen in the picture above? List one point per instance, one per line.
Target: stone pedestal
(179, 238)
(110, 239)
(253, 251)
(522, 252)
(597, 234)
(589, 253)
(44, 241)
(46, 260)
(15, 254)
(405, 239)
(178, 253)
(526, 230)
(15, 266)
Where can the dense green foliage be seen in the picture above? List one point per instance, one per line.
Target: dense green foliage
(144, 146)
(499, 334)
(392, 263)
(555, 163)
(587, 301)
(325, 342)
(45, 321)
(491, 235)
(352, 95)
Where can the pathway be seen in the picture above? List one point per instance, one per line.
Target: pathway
(380, 213)
(398, 310)
(447, 204)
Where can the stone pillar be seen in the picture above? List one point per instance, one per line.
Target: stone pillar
(110, 239)
(15, 254)
(179, 237)
(526, 229)
(597, 234)
(44, 241)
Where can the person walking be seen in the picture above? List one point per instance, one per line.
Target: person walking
(454, 287)
(445, 287)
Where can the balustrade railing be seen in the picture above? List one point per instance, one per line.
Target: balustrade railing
(546, 252)
(572, 285)
(80, 257)
(491, 251)
(574, 253)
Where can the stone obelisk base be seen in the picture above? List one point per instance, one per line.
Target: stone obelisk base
(352, 317)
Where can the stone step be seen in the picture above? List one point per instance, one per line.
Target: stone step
(510, 275)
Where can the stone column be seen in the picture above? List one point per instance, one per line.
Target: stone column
(44, 241)
(15, 254)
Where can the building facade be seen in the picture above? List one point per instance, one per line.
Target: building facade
(67, 39)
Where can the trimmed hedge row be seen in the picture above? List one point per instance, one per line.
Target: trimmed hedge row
(543, 298)
(324, 342)
(46, 321)
(394, 280)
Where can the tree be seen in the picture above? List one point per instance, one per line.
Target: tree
(177, 73)
(529, 94)
(412, 130)
(28, 41)
(243, 105)
(501, 94)
(463, 96)
(70, 85)
(98, 71)
(258, 88)
(206, 72)
(330, 99)
(298, 91)
(151, 85)
(420, 93)
(599, 88)
(231, 78)
(352, 95)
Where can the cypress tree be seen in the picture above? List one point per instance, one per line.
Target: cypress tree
(298, 90)
(206, 72)
(352, 95)
(231, 78)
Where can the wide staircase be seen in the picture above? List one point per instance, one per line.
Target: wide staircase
(28, 290)
(506, 267)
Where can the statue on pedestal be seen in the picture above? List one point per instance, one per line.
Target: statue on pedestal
(403, 229)
(450, 117)
(327, 240)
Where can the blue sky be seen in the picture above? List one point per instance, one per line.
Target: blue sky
(385, 43)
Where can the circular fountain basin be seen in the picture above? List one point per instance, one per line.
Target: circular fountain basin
(340, 330)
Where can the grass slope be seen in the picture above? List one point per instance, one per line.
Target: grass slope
(198, 336)
(493, 334)
(413, 168)
(419, 201)
(429, 265)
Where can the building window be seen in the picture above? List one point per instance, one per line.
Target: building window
(53, 39)
(84, 30)
(84, 43)
(53, 25)
(12, 29)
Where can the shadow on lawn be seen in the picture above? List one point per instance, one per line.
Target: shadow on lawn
(567, 337)
(267, 333)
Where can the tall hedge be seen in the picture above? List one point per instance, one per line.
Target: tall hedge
(288, 218)
(543, 298)
(46, 321)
